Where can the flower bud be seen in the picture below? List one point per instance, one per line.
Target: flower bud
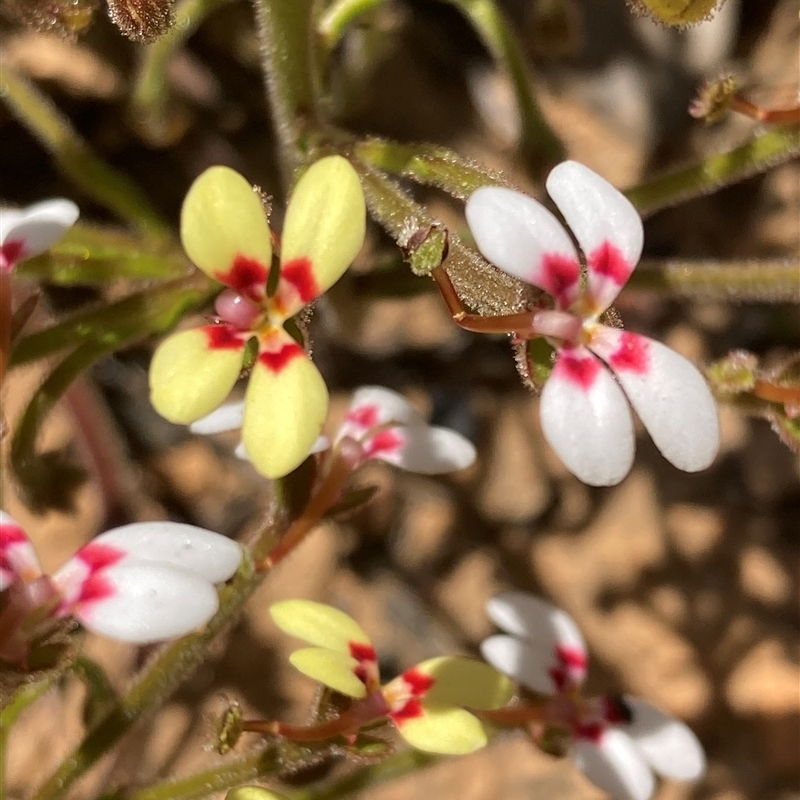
(141, 20)
(677, 12)
(67, 18)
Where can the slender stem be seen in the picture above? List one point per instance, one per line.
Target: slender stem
(339, 16)
(766, 150)
(769, 116)
(774, 393)
(75, 158)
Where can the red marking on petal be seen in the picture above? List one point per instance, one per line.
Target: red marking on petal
(632, 355)
(222, 337)
(387, 441)
(571, 657)
(559, 276)
(247, 276)
(11, 534)
(299, 273)
(417, 682)
(581, 370)
(10, 252)
(276, 360)
(593, 731)
(409, 710)
(95, 587)
(609, 262)
(364, 416)
(615, 710)
(97, 556)
(362, 652)
(570, 669)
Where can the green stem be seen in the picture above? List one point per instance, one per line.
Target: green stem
(429, 164)
(74, 157)
(339, 16)
(229, 774)
(740, 281)
(775, 146)
(289, 64)
(150, 99)
(539, 142)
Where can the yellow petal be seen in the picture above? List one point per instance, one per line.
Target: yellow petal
(320, 625)
(465, 682)
(443, 729)
(323, 231)
(224, 231)
(192, 372)
(336, 670)
(252, 793)
(285, 407)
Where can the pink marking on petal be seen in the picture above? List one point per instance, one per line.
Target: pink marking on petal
(615, 710)
(559, 276)
(11, 252)
(95, 587)
(632, 355)
(247, 277)
(97, 556)
(581, 371)
(366, 416)
(276, 360)
(411, 709)
(299, 273)
(383, 442)
(608, 261)
(222, 337)
(570, 669)
(11, 534)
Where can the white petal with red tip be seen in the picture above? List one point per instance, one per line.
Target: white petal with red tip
(227, 417)
(524, 661)
(586, 419)
(285, 408)
(18, 560)
(615, 765)
(34, 229)
(143, 602)
(374, 405)
(605, 223)
(196, 550)
(521, 237)
(668, 393)
(669, 746)
(428, 450)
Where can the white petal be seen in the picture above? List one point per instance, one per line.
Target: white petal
(143, 602)
(669, 746)
(39, 226)
(203, 553)
(374, 405)
(18, 560)
(525, 662)
(615, 765)
(586, 419)
(227, 417)
(668, 393)
(429, 450)
(605, 223)
(521, 237)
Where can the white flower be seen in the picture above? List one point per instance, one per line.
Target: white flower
(140, 583)
(386, 426)
(584, 411)
(618, 743)
(26, 232)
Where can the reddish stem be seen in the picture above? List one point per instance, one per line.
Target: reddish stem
(776, 394)
(769, 116)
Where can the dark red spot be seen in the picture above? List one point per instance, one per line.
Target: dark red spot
(298, 273)
(570, 668)
(10, 253)
(632, 354)
(581, 370)
(222, 337)
(560, 275)
(409, 710)
(95, 587)
(362, 652)
(247, 276)
(571, 657)
(364, 416)
(383, 442)
(276, 360)
(615, 710)
(608, 261)
(593, 731)
(418, 682)
(97, 556)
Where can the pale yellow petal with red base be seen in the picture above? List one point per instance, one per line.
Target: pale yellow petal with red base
(466, 682)
(335, 670)
(443, 729)
(225, 232)
(323, 231)
(319, 624)
(192, 372)
(284, 407)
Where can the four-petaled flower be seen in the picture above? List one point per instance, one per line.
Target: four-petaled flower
(425, 703)
(585, 416)
(385, 425)
(616, 742)
(140, 583)
(225, 233)
(26, 232)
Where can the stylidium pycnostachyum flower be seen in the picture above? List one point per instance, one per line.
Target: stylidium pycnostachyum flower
(225, 233)
(617, 742)
(27, 232)
(427, 703)
(584, 411)
(140, 583)
(383, 424)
